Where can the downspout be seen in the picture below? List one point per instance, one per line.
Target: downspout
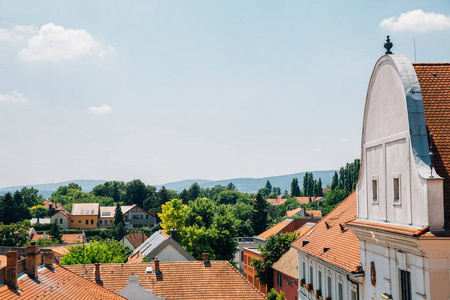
(357, 286)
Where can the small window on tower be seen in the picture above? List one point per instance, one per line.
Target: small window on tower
(374, 190)
(397, 196)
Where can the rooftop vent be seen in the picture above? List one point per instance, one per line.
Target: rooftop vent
(328, 225)
(149, 270)
(305, 243)
(325, 249)
(342, 227)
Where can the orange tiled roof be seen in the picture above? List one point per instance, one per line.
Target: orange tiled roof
(275, 229)
(2, 261)
(290, 213)
(277, 201)
(136, 239)
(56, 206)
(315, 214)
(68, 238)
(179, 280)
(343, 245)
(434, 80)
(286, 264)
(304, 229)
(63, 284)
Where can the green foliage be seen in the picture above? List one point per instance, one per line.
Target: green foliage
(74, 186)
(231, 187)
(229, 197)
(31, 196)
(334, 181)
(67, 196)
(260, 213)
(269, 186)
(14, 234)
(244, 213)
(13, 208)
(273, 295)
(118, 216)
(109, 251)
(274, 248)
(55, 232)
(295, 189)
(136, 193)
(118, 231)
(264, 191)
(202, 227)
(194, 192)
(291, 203)
(38, 211)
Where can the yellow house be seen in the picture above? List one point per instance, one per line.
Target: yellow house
(84, 216)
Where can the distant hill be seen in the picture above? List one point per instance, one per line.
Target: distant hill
(250, 185)
(47, 189)
(245, 185)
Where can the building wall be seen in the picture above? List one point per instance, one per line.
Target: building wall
(395, 149)
(289, 285)
(245, 242)
(63, 221)
(79, 222)
(138, 218)
(105, 222)
(250, 271)
(337, 277)
(169, 253)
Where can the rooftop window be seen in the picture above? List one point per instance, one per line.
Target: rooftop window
(82, 211)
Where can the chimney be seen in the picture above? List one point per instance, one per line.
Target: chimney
(32, 260)
(174, 233)
(206, 261)
(48, 260)
(12, 268)
(157, 270)
(97, 273)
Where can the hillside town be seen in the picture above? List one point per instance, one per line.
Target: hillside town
(388, 238)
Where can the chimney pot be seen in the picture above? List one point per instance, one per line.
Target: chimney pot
(32, 261)
(206, 257)
(48, 260)
(157, 270)
(12, 268)
(97, 273)
(174, 234)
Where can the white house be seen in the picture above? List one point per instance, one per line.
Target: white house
(62, 219)
(402, 199)
(404, 247)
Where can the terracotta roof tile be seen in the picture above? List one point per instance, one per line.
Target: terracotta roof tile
(179, 280)
(62, 284)
(275, 229)
(343, 245)
(56, 206)
(68, 238)
(434, 80)
(286, 264)
(136, 239)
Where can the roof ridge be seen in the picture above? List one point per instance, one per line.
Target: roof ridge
(431, 64)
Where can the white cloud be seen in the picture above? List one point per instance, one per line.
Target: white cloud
(55, 43)
(17, 33)
(13, 97)
(100, 110)
(343, 141)
(417, 20)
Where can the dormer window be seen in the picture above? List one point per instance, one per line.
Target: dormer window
(375, 189)
(396, 189)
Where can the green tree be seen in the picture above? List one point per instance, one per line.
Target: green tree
(118, 216)
(173, 215)
(260, 212)
(334, 181)
(200, 212)
(55, 232)
(228, 197)
(295, 189)
(74, 186)
(136, 192)
(194, 191)
(31, 197)
(38, 211)
(184, 196)
(273, 295)
(225, 228)
(14, 234)
(231, 187)
(319, 190)
(274, 248)
(243, 212)
(291, 203)
(109, 251)
(150, 202)
(269, 186)
(118, 231)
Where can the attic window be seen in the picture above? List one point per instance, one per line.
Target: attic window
(82, 211)
(149, 270)
(375, 189)
(396, 189)
(92, 211)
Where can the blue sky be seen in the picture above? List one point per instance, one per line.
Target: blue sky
(172, 90)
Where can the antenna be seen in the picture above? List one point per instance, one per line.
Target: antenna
(415, 57)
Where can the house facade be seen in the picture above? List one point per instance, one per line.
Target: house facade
(84, 216)
(133, 215)
(62, 218)
(401, 214)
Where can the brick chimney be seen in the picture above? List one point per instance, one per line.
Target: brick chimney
(32, 260)
(174, 234)
(12, 268)
(206, 258)
(157, 270)
(97, 274)
(48, 260)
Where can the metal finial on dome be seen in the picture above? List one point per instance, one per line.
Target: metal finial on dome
(431, 154)
(388, 45)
